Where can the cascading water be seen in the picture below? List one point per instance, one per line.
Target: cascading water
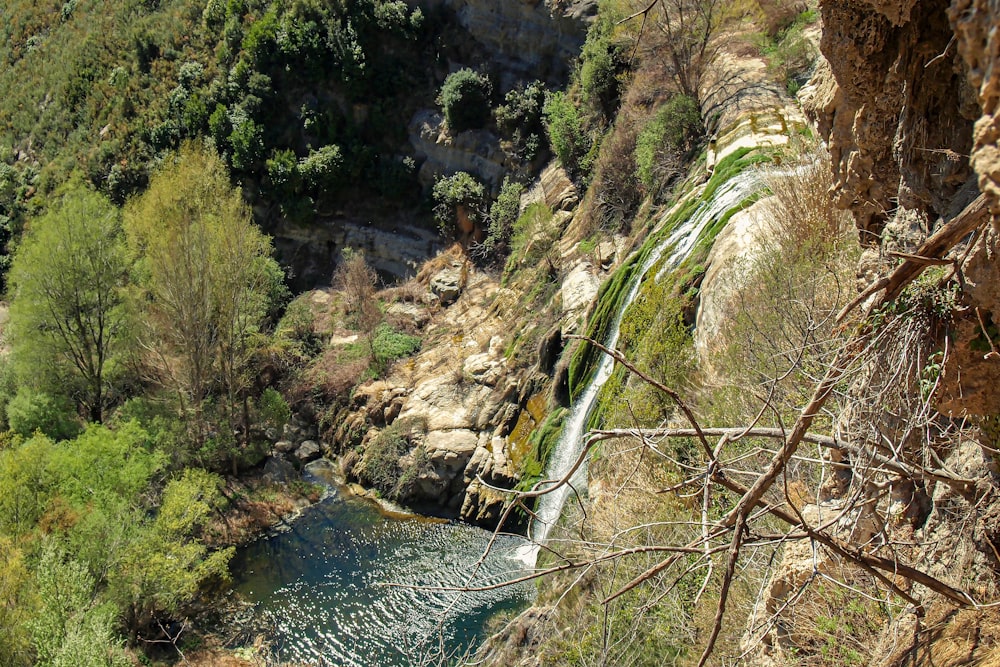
(567, 450)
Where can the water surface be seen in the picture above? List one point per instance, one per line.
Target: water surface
(321, 588)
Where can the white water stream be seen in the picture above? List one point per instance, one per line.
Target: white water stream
(567, 450)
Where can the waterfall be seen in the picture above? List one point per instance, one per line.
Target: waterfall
(571, 440)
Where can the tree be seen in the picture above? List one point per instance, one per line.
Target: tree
(686, 29)
(357, 281)
(206, 281)
(68, 312)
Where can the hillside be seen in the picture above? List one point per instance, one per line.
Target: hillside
(696, 296)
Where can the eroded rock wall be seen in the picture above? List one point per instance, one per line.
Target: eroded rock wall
(898, 119)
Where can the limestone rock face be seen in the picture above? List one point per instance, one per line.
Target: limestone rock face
(975, 23)
(475, 151)
(898, 119)
(464, 395)
(579, 289)
(537, 39)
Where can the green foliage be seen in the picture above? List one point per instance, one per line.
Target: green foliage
(70, 628)
(457, 196)
(69, 314)
(520, 120)
(541, 443)
(380, 466)
(465, 100)
(16, 602)
(504, 213)
(272, 409)
(166, 565)
(111, 87)
(388, 345)
(789, 53)
(666, 141)
(567, 136)
(322, 169)
(31, 410)
(599, 65)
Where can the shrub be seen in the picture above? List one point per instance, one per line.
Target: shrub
(519, 120)
(599, 70)
(503, 216)
(452, 192)
(322, 169)
(31, 411)
(380, 465)
(665, 142)
(616, 189)
(465, 99)
(566, 134)
(388, 345)
(272, 409)
(283, 172)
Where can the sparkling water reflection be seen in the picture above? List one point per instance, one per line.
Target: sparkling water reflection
(322, 588)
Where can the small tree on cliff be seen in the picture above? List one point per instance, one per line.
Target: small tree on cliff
(684, 32)
(357, 282)
(68, 316)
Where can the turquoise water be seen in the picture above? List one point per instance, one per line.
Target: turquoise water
(320, 589)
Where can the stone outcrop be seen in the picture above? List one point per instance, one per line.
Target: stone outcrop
(442, 154)
(464, 395)
(530, 39)
(899, 110)
(312, 251)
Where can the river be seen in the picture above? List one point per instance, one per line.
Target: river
(337, 587)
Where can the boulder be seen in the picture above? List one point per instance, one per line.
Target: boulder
(284, 446)
(278, 470)
(308, 451)
(447, 284)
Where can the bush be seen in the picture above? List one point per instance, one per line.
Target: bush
(566, 134)
(388, 345)
(519, 120)
(666, 141)
(452, 192)
(503, 216)
(465, 99)
(599, 70)
(31, 411)
(322, 169)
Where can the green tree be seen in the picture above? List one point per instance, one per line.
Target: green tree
(207, 278)
(68, 311)
(166, 565)
(71, 628)
(461, 199)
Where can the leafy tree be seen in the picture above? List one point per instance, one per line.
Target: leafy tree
(167, 564)
(68, 312)
(322, 168)
(71, 628)
(503, 214)
(206, 281)
(566, 133)
(519, 119)
(664, 143)
(465, 99)
(31, 410)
